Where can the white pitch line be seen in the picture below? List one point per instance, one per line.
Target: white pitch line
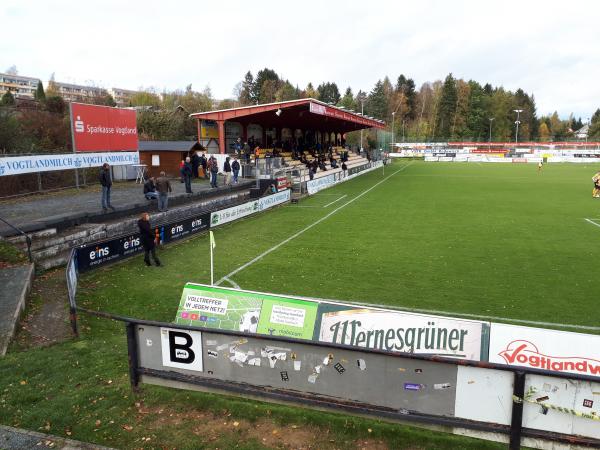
(231, 282)
(294, 236)
(592, 222)
(336, 200)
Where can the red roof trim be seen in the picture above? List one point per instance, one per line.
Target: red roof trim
(315, 107)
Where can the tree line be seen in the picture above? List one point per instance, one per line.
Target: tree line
(448, 110)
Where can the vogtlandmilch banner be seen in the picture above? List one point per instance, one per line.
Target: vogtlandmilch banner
(397, 331)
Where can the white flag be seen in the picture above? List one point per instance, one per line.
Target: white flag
(212, 240)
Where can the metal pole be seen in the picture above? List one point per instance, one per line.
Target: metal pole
(132, 354)
(393, 123)
(518, 111)
(516, 423)
(362, 105)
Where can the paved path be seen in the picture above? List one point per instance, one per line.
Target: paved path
(15, 282)
(18, 439)
(125, 195)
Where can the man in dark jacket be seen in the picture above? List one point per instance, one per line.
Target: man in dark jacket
(106, 182)
(147, 238)
(186, 171)
(227, 170)
(235, 167)
(214, 170)
(203, 163)
(163, 186)
(195, 164)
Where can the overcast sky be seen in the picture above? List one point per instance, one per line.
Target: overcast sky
(548, 48)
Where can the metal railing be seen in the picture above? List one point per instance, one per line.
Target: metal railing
(21, 232)
(515, 431)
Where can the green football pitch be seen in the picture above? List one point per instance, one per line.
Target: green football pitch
(488, 240)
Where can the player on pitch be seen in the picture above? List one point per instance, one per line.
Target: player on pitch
(596, 190)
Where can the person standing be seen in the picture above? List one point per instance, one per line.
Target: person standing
(203, 164)
(186, 171)
(163, 186)
(214, 170)
(235, 167)
(147, 237)
(247, 152)
(227, 170)
(596, 181)
(195, 164)
(106, 182)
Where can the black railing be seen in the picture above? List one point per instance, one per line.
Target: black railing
(515, 430)
(21, 232)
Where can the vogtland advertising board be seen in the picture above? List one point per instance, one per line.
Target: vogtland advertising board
(270, 314)
(558, 351)
(251, 312)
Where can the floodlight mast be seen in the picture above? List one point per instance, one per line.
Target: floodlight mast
(518, 111)
(393, 121)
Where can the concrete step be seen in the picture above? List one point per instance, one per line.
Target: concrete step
(58, 260)
(16, 283)
(42, 234)
(77, 233)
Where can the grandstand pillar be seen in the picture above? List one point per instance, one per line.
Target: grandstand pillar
(245, 132)
(221, 126)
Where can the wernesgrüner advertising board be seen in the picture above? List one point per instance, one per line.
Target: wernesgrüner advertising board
(269, 314)
(397, 331)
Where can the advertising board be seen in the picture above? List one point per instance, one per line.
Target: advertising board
(278, 198)
(558, 351)
(235, 212)
(276, 315)
(251, 312)
(18, 165)
(314, 186)
(103, 128)
(398, 331)
(101, 253)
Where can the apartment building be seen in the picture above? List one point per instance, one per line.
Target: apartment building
(75, 92)
(18, 85)
(122, 96)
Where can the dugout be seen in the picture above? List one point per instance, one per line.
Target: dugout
(165, 155)
(305, 121)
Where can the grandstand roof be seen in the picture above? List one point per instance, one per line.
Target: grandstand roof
(306, 113)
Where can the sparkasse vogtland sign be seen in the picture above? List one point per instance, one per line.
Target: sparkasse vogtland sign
(103, 128)
(558, 351)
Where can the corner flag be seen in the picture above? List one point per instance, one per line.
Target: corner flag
(212, 246)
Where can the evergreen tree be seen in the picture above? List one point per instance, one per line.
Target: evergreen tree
(265, 85)
(377, 104)
(406, 88)
(247, 89)
(347, 100)
(40, 95)
(329, 93)
(447, 108)
(311, 92)
(7, 99)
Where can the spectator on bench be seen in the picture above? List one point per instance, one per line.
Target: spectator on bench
(150, 189)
